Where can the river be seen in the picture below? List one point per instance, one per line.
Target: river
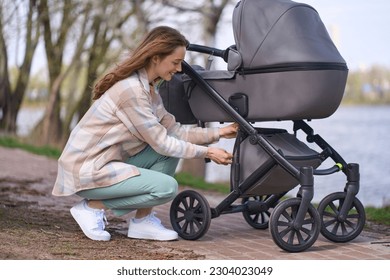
(360, 134)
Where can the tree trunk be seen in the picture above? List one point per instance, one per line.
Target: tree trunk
(51, 126)
(12, 100)
(5, 88)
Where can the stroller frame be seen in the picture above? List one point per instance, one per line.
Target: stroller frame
(340, 216)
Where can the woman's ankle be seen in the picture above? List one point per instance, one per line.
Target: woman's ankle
(96, 204)
(142, 213)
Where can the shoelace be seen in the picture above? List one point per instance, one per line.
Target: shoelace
(155, 220)
(101, 219)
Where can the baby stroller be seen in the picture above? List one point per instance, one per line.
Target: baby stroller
(283, 66)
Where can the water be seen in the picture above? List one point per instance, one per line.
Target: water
(27, 119)
(359, 134)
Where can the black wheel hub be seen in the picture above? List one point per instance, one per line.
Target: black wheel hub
(189, 215)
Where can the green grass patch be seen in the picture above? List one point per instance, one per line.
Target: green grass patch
(10, 142)
(378, 215)
(186, 179)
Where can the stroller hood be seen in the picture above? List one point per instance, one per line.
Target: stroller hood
(285, 67)
(273, 32)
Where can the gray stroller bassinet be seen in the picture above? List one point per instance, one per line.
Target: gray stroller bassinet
(283, 66)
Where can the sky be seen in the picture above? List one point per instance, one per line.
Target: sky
(363, 27)
(359, 28)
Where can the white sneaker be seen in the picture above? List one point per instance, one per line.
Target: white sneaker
(91, 221)
(150, 228)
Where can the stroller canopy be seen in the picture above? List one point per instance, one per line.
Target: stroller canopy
(272, 32)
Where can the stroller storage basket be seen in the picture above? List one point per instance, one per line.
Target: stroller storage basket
(252, 158)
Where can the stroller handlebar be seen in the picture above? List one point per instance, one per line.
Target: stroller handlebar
(209, 50)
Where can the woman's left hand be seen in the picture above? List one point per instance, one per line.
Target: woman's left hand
(229, 131)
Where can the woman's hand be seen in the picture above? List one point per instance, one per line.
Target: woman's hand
(219, 156)
(229, 131)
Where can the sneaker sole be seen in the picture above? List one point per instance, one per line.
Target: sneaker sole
(142, 235)
(93, 237)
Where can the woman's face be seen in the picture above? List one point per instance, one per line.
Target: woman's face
(165, 68)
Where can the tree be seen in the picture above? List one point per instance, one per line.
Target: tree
(50, 129)
(210, 12)
(11, 16)
(371, 85)
(91, 32)
(103, 33)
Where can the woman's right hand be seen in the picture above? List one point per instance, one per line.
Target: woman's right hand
(219, 156)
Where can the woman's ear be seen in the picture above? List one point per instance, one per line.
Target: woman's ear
(155, 59)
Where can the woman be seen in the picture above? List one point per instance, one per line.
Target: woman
(123, 153)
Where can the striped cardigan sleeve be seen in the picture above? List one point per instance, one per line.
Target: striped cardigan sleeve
(143, 115)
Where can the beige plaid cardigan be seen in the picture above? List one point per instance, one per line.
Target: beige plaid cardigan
(121, 123)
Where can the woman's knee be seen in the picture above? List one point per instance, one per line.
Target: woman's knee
(168, 187)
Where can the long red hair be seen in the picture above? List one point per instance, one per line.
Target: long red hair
(161, 41)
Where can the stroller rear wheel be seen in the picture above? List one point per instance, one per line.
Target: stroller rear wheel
(284, 232)
(190, 215)
(336, 228)
(257, 218)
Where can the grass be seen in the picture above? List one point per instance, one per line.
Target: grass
(199, 183)
(377, 215)
(10, 142)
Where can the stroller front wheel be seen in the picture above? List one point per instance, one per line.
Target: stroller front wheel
(336, 229)
(190, 215)
(283, 231)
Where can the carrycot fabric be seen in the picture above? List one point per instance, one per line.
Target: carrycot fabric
(286, 67)
(269, 32)
(277, 180)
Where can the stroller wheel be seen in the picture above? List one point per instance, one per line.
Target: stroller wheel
(332, 226)
(190, 215)
(258, 217)
(282, 229)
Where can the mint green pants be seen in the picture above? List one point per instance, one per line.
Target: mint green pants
(154, 186)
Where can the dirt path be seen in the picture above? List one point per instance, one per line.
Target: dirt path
(36, 225)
